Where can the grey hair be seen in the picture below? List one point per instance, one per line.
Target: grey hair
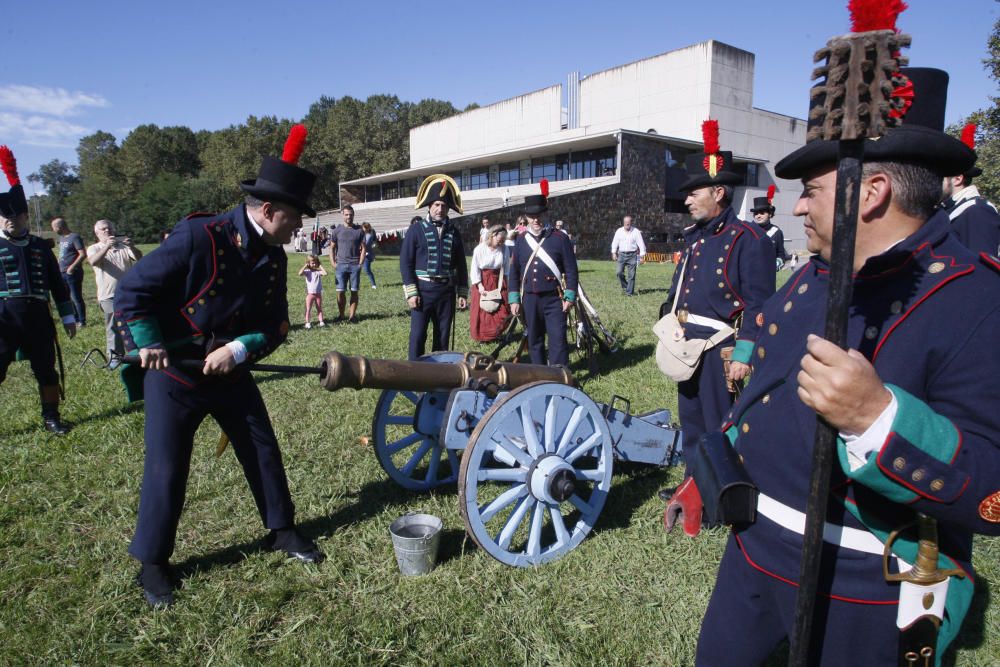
(916, 189)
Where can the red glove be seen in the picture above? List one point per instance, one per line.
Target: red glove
(686, 504)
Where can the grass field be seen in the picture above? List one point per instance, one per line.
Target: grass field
(629, 595)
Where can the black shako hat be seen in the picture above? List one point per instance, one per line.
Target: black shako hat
(439, 187)
(920, 139)
(535, 204)
(12, 203)
(764, 204)
(711, 167)
(283, 180)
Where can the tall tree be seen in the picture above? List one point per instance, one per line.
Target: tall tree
(59, 180)
(149, 151)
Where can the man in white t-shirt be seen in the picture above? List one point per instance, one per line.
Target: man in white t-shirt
(628, 250)
(111, 257)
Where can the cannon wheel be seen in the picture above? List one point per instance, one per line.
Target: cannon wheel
(416, 461)
(535, 474)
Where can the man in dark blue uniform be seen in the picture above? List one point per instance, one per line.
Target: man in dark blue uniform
(214, 291)
(542, 256)
(432, 264)
(29, 273)
(728, 273)
(974, 219)
(914, 437)
(763, 212)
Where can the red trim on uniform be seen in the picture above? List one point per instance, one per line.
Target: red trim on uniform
(799, 274)
(902, 482)
(796, 584)
(989, 259)
(211, 281)
(167, 372)
(750, 229)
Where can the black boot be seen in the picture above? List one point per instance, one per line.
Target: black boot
(158, 583)
(294, 544)
(50, 417)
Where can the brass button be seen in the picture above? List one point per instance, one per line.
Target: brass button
(201, 302)
(928, 600)
(736, 304)
(746, 428)
(720, 260)
(702, 241)
(788, 306)
(719, 271)
(899, 463)
(802, 288)
(273, 278)
(695, 266)
(219, 281)
(766, 399)
(772, 329)
(937, 485)
(725, 247)
(221, 252)
(918, 474)
(896, 308)
(211, 292)
(728, 296)
(222, 266)
(721, 285)
(871, 332)
(936, 267)
(274, 265)
(191, 310)
(118, 324)
(686, 290)
(733, 232)
(760, 352)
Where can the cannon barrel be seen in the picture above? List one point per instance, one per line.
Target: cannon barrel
(340, 371)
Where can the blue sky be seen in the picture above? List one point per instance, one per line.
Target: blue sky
(73, 68)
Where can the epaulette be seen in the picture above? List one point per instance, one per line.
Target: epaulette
(199, 214)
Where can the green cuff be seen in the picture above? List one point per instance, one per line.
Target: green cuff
(513, 297)
(742, 351)
(145, 332)
(410, 291)
(569, 295)
(253, 341)
(65, 308)
(918, 434)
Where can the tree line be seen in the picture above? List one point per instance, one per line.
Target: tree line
(157, 175)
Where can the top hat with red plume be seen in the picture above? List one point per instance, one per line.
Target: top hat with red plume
(919, 138)
(535, 204)
(711, 167)
(764, 204)
(969, 139)
(12, 203)
(283, 179)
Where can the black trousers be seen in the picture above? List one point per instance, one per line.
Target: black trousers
(173, 412)
(543, 315)
(27, 324)
(437, 308)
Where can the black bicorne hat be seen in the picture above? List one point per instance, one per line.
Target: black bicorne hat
(12, 203)
(439, 187)
(535, 204)
(920, 139)
(283, 180)
(712, 166)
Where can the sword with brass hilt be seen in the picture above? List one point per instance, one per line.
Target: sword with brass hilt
(925, 584)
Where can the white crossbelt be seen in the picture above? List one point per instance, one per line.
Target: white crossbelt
(795, 521)
(718, 325)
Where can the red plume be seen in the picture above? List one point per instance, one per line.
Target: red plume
(969, 135)
(9, 166)
(869, 15)
(544, 185)
(770, 193)
(710, 135)
(295, 144)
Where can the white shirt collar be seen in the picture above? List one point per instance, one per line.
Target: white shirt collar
(253, 223)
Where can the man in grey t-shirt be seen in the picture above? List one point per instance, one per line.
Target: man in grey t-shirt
(347, 252)
(71, 254)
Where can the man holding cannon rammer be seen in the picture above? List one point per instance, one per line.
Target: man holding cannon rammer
(28, 273)
(215, 290)
(919, 437)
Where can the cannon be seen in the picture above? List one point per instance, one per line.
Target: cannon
(537, 451)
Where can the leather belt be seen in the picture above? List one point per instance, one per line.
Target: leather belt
(701, 321)
(795, 521)
(434, 279)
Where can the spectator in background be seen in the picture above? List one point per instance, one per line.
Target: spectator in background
(347, 251)
(561, 227)
(629, 250)
(164, 235)
(369, 255)
(313, 273)
(484, 231)
(111, 257)
(485, 275)
(71, 256)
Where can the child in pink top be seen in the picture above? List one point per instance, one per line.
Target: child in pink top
(313, 272)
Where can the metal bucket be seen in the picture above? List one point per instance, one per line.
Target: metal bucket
(415, 539)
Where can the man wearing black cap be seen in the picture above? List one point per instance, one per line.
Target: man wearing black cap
(214, 291)
(763, 212)
(719, 287)
(913, 437)
(432, 264)
(542, 256)
(30, 272)
(974, 219)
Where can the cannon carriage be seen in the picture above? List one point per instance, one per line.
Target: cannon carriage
(532, 454)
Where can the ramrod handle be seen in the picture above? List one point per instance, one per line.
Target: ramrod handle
(356, 372)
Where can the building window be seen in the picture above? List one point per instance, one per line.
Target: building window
(408, 187)
(390, 190)
(598, 162)
(479, 178)
(373, 192)
(543, 167)
(753, 170)
(510, 174)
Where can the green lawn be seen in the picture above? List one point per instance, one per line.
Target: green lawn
(629, 595)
